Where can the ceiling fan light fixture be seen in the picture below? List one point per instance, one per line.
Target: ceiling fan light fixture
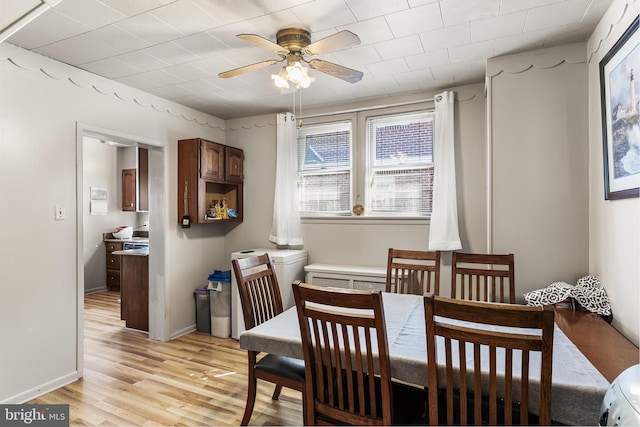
(299, 75)
(281, 78)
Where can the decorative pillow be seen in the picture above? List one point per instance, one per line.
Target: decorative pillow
(552, 294)
(591, 295)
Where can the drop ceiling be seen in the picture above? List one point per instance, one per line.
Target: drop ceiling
(176, 48)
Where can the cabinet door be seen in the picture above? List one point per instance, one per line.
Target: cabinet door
(211, 161)
(234, 158)
(128, 189)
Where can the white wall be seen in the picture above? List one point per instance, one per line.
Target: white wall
(539, 155)
(40, 282)
(359, 241)
(614, 225)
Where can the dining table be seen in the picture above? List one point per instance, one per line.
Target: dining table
(577, 386)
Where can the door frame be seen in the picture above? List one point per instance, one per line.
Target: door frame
(159, 319)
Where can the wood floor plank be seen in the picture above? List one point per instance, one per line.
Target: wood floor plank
(194, 380)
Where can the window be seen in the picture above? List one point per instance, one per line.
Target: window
(324, 168)
(400, 164)
(387, 159)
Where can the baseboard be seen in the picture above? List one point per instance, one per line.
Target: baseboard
(42, 389)
(94, 290)
(185, 331)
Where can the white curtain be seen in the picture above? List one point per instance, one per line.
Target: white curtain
(443, 230)
(286, 228)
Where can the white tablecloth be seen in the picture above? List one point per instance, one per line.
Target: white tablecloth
(577, 386)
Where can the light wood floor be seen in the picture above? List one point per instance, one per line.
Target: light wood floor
(194, 380)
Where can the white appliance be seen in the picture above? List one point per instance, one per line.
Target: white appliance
(289, 266)
(621, 403)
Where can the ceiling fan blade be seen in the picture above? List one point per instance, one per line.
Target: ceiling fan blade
(340, 40)
(335, 70)
(262, 42)
(247, 68)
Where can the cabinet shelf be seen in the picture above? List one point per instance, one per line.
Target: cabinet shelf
(208, 174)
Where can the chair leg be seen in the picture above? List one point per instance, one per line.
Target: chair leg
(276, 392)
(251, 390)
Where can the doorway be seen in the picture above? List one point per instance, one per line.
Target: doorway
(158, 294)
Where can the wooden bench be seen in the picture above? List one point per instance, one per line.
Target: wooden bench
(606, 348)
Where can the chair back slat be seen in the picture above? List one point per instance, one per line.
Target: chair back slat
(346, 355)
(413, 271)
(258, 288)
(501, 338)
(483, 277)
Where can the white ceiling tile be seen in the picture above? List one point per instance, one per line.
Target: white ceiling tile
(357, 56)
(11, 11)
(414, 3)
(47, 28)
(186, 72)
(171, 53)
(485, 49)
(64, 54)
(201, 45)
(131, 8)
(168, 92)
(416, 20)
(416, 77)
(456, 35)
(521, 42)
(149, 28)
(270, 6)
(558, 37)
(460, 11)
(111, 68)
(370, 31)
(114, 38)
(186, 17)
(558, 14)
(151, 79)
(94, 14)
(386, 68)
(397, 48)
(230, 11)
(198, 86)
(428, 59)
(367, 9)
(498, 26)
(142, 61)
(336, 14)
(510, 6)
(451, 70)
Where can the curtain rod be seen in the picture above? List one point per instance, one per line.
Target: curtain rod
(357, 110)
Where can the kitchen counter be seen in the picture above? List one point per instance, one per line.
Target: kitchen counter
(131, 240)
(135, 252)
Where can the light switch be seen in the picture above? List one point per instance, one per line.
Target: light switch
(59, 212)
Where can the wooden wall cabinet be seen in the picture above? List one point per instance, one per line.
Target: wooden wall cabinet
(209, 172)
(129, 190)
(135, 183)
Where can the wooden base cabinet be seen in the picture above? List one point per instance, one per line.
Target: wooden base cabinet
(113, 265)
(134, 295)
(209, 174)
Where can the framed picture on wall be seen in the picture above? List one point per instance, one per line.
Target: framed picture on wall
(620, 105)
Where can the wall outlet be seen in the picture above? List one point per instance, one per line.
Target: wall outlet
(145, 224)
(60, 213)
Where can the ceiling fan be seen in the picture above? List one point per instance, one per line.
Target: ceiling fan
(293, 46)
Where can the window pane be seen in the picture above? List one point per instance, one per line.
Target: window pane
(324, 147)
(407, 191)
(404, 139)
(325, 193)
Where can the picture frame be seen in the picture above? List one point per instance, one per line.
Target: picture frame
(620, 106)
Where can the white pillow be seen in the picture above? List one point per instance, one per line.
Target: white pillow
(552, 294)
(591, 295)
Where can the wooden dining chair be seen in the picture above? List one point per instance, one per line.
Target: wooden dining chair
(261, 300)
(502, 368)
(483, 277)
(413, 271)
(348, 373)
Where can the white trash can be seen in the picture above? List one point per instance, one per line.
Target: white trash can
(220, 308)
